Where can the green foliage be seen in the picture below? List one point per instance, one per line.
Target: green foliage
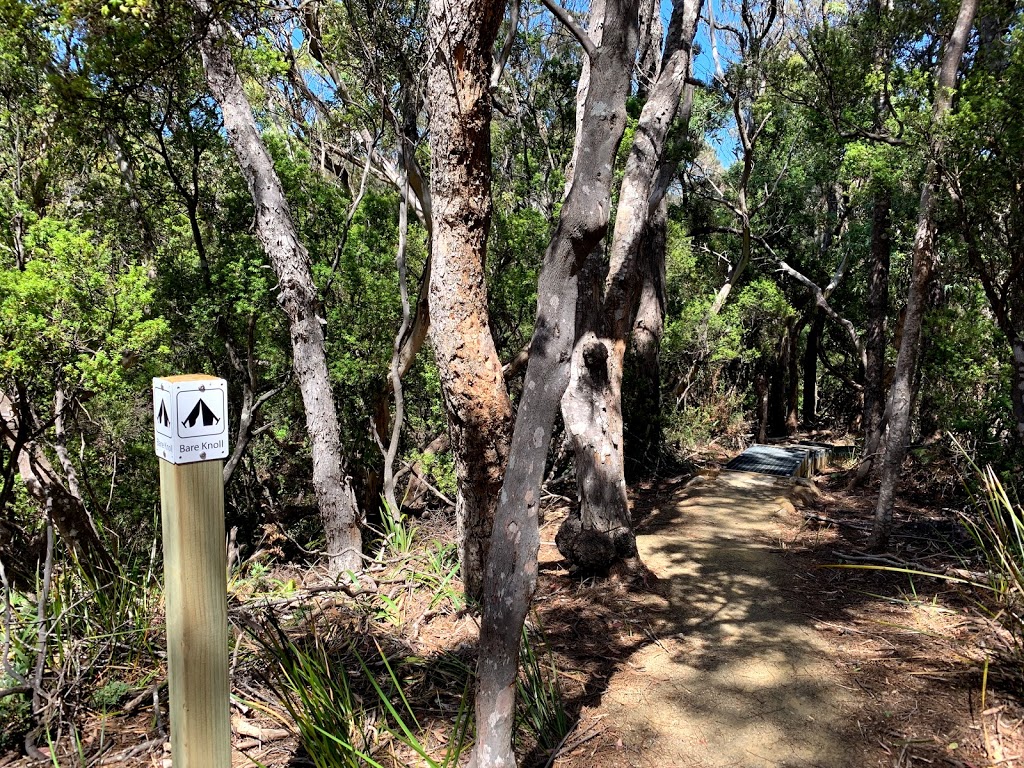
(340, 728)
(965, 385)
(437, 570)
(15, 720)
(109, 695)
(515, 251)
(440, 468)
(718, 414)
(76, 313)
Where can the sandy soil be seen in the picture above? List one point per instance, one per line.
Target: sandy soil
(738, 678)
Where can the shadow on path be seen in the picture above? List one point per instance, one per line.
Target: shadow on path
(738, 678)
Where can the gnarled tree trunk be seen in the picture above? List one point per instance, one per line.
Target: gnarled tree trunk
(901, 393)
(45, 485)
(462, 36)
(600, 532)
(511, 574)
(296, 293)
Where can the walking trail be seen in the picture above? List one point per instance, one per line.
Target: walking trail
(738, 677)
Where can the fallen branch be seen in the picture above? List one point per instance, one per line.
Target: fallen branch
(890, 563)
(145, 695)
(138, 749)
(832, 521)
(243, 727)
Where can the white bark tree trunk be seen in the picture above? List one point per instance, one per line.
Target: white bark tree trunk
(296, 293)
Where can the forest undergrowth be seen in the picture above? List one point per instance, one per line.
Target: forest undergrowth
(378, 669)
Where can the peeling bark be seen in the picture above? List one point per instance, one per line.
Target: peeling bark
(600, 532)
(297, 294)
(476, 401)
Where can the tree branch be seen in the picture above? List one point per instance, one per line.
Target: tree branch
(570, 23)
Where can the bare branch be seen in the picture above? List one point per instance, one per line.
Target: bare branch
(396, 357)
(822, 301)
(570, 23)
(502, 58)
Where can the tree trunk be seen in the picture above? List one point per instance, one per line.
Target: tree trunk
(777, 385)
(511, 574)
(793, 380)
(296, 294)
(1017, 392)
(761, 393)
(810, 401)
(600, 532)
(652, 32)
(874, 337)
(643, 418)
(901, 393)
(43, 483)
(462, 36)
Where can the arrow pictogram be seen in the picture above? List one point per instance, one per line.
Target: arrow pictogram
(201, 410)
(161, 416)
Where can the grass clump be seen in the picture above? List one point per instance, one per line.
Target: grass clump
(998, 530)
(542, 714)
(353, 711)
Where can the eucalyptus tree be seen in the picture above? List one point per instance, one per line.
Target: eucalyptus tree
(610, 42)
(296, 291)
(901, 391)
(462, 38)
(600, 533)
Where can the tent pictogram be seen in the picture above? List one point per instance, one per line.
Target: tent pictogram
(161, 416)
(201, 410)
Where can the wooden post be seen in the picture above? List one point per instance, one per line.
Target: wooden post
(195, 582)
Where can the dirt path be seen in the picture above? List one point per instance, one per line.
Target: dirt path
(738, 677)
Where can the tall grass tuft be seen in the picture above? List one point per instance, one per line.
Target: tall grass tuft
(998, 529)
(542, 711)
(313, 685)
(343, 728)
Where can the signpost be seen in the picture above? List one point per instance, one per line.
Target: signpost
(190, 422)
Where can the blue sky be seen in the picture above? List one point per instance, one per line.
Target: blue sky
(724, 142)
